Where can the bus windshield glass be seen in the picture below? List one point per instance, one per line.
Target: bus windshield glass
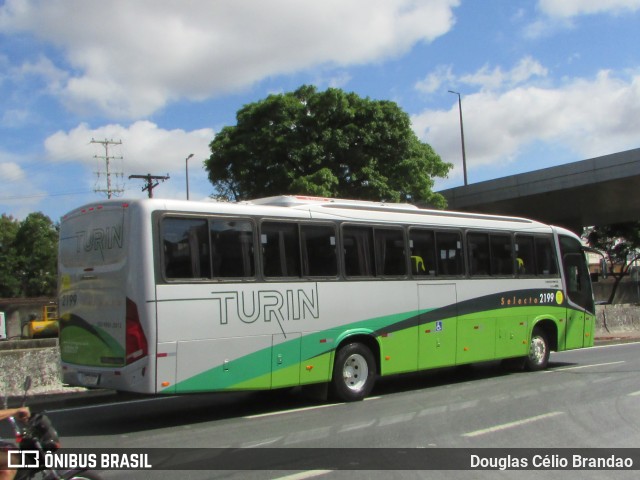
(93, 237)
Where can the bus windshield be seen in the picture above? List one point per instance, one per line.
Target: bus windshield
(92, 237)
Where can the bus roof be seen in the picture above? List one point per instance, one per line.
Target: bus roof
(319, 204)
(293, 206)
(298, 200)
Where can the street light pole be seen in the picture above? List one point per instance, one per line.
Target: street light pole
(186, 167)
(464, 156)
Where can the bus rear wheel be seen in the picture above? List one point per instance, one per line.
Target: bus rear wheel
(354, 373)
(538, 356)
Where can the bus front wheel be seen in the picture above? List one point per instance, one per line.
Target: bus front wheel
(354, 373)
(538, 357)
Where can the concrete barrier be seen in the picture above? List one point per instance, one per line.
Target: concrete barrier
(39, 359)
(617, 319)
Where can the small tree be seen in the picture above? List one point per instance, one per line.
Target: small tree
(330, 143)
(36, 246)
(621, 245)
(9, 281)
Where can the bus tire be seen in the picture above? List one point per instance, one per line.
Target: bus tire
(354, 373)
(538, 356)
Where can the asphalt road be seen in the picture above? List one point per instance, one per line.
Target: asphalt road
(586, 399)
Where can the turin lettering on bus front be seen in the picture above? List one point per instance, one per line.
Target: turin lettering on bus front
(99, 238)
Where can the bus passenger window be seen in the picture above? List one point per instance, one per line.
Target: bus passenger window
(186, 248)
(478, 253)
(525, 255)
(501, 257)
(423, 252)
(535, 255)
(358, 251)
(391, 260)
(319, 257)
(449, 248)
(232, 248)
(545, 257)
(280, 249)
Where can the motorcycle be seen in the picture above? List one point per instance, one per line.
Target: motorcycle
(35, 437)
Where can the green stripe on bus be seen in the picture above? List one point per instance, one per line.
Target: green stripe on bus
(490, 327)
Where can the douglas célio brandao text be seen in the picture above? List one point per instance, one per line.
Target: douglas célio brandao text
(551, 462)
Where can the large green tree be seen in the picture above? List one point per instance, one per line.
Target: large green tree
(28, 256)
(329, 143)
(620, 243)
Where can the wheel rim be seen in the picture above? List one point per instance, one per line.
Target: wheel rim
(355, 372)
(537, 350)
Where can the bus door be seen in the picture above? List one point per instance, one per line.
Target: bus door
(580, 305)
(438, 325)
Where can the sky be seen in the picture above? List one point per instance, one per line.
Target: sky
(542, 83)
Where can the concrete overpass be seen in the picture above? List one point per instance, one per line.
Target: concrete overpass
(597, 191)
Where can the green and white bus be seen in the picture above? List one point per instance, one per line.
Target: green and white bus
(168, 296)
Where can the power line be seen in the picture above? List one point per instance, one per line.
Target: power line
(44, 195)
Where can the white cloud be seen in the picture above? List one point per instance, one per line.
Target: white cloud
(572, 8)
(576, 116)
(41, 68)
(559, 15)
(146, 148)
(488, 79)
(336, 80)
(19, 193)
(16, 117)
(11, 172)
(485, 78)
(434, 80)
(547, 27)
(131, 58)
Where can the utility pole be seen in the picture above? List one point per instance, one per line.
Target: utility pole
(151, 181)
(186, 167)
(107, 159)
(464, 155)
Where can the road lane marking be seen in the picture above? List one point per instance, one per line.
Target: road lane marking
(293, 410)
(456, 407)
(357, 426)
(303, 475)
(433, 411)
(261, 443)
(506, 426)
(634, 394)
(584, 366)
(605, 346)
(394, 419)
(296, 438)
